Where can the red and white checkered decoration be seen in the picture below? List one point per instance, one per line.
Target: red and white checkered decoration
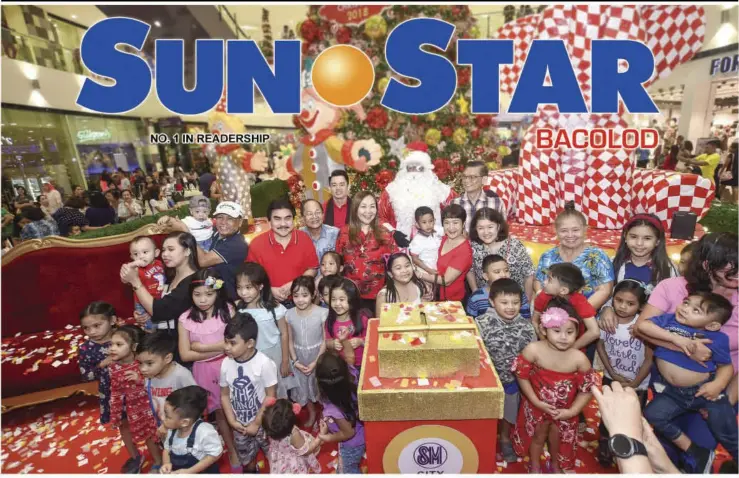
(521, 32)
(664, 192)
(674, 34)
(600, 182)
(504, 183)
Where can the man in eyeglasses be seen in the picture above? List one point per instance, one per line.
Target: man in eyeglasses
(323, 236)
(474, 197)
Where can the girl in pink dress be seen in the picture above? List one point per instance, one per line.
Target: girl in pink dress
(291, 450)
(555, 381)
(201, 341)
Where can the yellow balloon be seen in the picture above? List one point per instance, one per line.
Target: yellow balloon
(375, 27)
(343, 75)
(382, 84)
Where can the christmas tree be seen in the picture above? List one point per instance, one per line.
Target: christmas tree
(453, 134)
(267, 45)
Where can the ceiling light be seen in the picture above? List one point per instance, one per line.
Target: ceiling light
(157, 23)
(248, 27)
(74, 17)
(13, 124)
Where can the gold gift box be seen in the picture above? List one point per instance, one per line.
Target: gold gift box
(432, 340)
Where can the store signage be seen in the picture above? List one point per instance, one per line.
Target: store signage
(430, 449)
(89, 135)
(280, 84)
(727, 64)
(349, 14)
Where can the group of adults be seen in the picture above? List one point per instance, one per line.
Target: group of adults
(117, 197)
(721, 168)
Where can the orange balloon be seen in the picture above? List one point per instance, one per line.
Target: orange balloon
(343, 75)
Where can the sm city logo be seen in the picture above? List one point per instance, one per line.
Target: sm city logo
(430, 455)
(242, 64)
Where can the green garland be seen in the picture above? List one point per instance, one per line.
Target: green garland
(722, 217)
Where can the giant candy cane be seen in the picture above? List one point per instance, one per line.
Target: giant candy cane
(600, 182)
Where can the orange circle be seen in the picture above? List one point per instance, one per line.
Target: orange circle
(343, 75)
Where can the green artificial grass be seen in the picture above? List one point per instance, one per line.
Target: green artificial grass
(261, 195)
(722, 217)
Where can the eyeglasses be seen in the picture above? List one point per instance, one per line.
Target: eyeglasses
(313, 214)
(470, 178)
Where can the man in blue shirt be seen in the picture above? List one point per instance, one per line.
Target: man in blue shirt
(688, 385)
(323, 236)
(228, 248)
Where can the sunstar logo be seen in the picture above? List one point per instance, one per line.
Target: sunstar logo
(241, 65)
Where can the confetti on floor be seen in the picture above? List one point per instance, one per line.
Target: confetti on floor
(68, 433)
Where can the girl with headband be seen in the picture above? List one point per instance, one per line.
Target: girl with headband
(555, 380)
(642, 256)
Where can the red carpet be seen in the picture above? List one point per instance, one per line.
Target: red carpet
(66, 437)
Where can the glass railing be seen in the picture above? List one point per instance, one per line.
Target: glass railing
(49, 54)
(230, 20)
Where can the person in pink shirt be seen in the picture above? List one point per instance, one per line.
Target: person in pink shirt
(712, 267)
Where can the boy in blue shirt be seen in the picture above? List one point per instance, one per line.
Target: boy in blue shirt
(494, 267)
(688, 385)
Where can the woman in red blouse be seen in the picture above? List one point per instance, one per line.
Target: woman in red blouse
(455, 256)
(362, 244)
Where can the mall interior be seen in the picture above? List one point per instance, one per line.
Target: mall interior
(46, 136)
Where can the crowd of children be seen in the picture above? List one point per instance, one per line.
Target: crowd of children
(253, 365)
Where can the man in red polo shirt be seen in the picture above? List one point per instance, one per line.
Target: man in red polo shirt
(338, 206)
(285, 252)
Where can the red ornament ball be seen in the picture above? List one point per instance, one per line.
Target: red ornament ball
(392, 163)
(447, 131)
(377, 117)
(383, 178)
(310, 31)
(442, 168)
(475, 133)
(344, 35)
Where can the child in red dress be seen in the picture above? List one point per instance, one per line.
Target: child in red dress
(555, 380)
(127, 393)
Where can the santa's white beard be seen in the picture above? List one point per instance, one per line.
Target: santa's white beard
(409, 191)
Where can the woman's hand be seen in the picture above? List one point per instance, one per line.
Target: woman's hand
(129, 274)
(619, 410)
(323, 433)
(608, 320)
(285, 368)
(166, 469)
(701, 353)
(141, 318)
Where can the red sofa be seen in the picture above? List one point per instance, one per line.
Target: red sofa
(45, 285)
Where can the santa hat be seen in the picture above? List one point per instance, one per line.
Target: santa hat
(417, 152)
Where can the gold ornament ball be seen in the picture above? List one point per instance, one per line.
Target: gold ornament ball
(432, 137)
(375, 27)
(475, 32)
(343, 75)
(459, 137)
(382, 85)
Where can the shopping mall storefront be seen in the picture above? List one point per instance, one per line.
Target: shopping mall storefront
(39, 145)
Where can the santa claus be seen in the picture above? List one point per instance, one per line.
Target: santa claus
(414, 186)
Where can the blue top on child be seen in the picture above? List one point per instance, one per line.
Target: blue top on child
(719, 345)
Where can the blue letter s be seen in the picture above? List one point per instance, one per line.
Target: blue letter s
(436, 73)
(131, 73)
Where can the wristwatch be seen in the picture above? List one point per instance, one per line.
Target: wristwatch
(623, 446)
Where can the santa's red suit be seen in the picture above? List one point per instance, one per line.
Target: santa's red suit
(414, 186)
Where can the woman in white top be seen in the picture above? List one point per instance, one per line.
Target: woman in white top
(128, 207)
(401, 283)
